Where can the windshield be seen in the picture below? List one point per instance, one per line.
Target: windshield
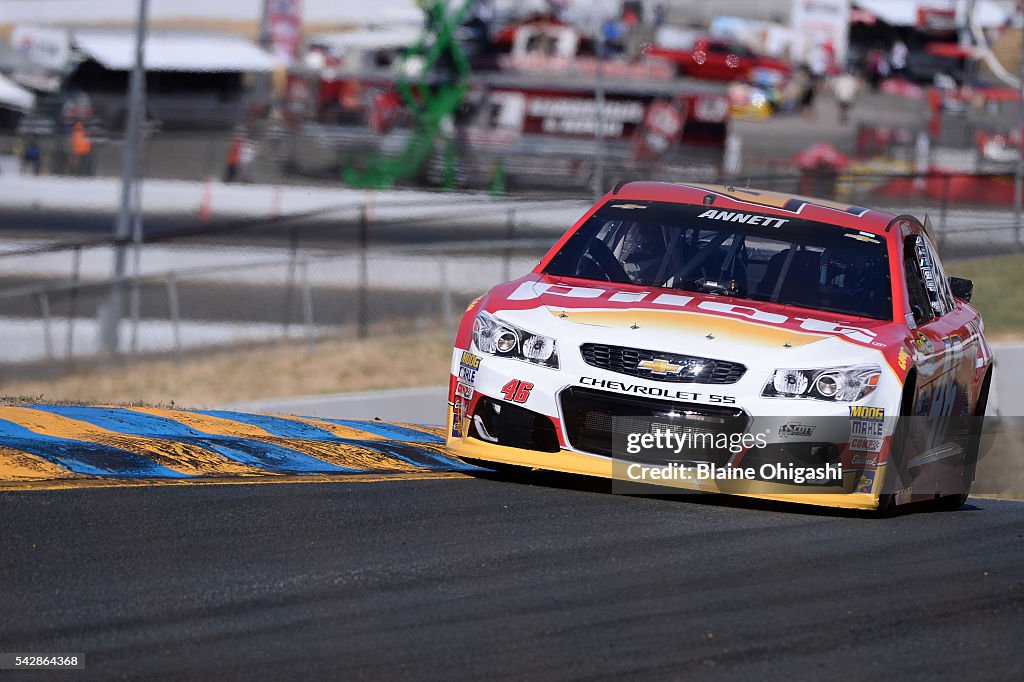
(741, 254)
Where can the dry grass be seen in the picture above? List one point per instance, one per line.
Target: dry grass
(998, 293)
(238, 375)
(385, 361)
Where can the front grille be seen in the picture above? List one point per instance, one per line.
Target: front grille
(590, 415)
(695, 370)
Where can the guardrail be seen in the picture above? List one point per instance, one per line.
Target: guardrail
(307, 295)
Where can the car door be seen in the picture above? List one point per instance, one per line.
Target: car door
(718, 59)
(945, 353)
(744, 60)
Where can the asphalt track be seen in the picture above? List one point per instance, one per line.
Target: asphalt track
(470, 578)
(173, 544)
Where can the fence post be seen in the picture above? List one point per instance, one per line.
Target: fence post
(307, 305)
(446, 298)
(76, 267)
(510, 231)
(175, 314)
(44, 308)
(364, 275)
(940, 233)
(134, 304)
(293, 248)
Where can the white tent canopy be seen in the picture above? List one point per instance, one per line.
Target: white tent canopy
(987, 13)
(14, 96)
(175, 51)
(381, 39)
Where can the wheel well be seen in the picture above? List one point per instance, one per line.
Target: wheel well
(909, 388)
(986, 384)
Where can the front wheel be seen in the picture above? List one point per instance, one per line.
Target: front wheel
(900, 439)
(954, 502)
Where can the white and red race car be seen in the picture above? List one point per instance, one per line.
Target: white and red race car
(713, 338)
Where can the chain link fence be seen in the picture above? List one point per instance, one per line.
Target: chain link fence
(357, 270)
(246, 300)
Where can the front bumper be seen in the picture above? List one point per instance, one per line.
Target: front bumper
(570, 462)
(567, 406)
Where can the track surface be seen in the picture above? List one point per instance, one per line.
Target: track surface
(479, 578)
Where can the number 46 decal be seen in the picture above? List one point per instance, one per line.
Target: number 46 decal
(517, 391)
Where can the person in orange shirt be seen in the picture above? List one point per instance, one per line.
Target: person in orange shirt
(234, 159)
(81, 149)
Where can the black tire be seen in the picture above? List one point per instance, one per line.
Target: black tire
(954, 502)
(887, 499)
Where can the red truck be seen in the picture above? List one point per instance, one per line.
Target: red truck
(703, 56)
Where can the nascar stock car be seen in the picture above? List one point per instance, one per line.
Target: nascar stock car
(713, 338)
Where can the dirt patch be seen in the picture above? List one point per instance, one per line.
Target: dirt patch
(243, 374)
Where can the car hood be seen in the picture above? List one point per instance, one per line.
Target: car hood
(658, 319)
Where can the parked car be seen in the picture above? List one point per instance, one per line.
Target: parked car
(703, 56)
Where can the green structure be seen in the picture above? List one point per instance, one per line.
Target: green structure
(430, 97)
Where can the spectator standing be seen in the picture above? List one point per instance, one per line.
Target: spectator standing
(845, 88)
(898, 57)
(877, 67)
(808, 88)
(818, 61)
(81, 149)
(659, 15)
(246, 156)
(613, 33)
(234, 154)
(32, 156)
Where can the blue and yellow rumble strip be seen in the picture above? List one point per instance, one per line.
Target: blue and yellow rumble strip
(77, 446)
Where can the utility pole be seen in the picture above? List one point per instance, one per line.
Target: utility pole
(966, 41)
(110, 318)
(262, 82)
(1018, 180)
(599, 116)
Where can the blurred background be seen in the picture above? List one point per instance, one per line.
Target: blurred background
(222, 201)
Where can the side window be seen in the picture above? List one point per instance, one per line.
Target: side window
(939, 298)
(917, 287)
(942, 291)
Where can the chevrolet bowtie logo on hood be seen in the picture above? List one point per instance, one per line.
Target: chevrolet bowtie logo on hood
(659, 366)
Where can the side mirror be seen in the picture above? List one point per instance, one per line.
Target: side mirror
(961, 288)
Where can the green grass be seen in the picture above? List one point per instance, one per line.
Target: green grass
(998, 291)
